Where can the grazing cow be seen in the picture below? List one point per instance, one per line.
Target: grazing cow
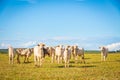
(66, 56)
(59, 53)
(39, 54)
(104, 53)
(11, 54)
(77, 52)
(26, 53)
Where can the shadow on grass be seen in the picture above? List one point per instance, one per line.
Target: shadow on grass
(97, 62)
(27, 62)
(87, 58)
(73, 66)
(118, 60)
(87, 66)
(111, 61)
(62, 66)
(72, 61)
(78, 62)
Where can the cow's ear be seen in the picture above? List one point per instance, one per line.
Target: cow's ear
(43, 44)
(103, 47)
(68, 46)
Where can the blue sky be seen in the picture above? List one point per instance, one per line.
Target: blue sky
(87, 23)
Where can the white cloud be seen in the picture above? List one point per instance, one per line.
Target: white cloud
(60, 38)
(4, 46)
(65, 38)
(28, 44)
(86, 43)
(17, 44)
(113, 46)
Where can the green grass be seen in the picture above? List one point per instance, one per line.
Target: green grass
(93, 69)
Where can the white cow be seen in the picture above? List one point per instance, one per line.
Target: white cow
(51, 52)
(11, 54)
(67, 56)
(76, 51)
(81, 54)
(59, 53)
(26, 53)
(39, 54)
(104, 53)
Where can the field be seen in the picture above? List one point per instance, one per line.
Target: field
(93, 69)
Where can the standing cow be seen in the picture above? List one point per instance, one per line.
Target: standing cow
(11, 54)
(76, 52)
(67, 56)
(59, 53)
(51, 51)
(39, 54)
(104, 53)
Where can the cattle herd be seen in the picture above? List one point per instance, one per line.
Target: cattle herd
(57, 54)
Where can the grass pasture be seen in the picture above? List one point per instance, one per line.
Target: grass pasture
(93, 69)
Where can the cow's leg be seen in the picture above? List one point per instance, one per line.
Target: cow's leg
(68, 62)
(18, 59)
(35, 60)
(104, 57)
(73, 56)
(82, 59)
(9, 59)
(12, 59)
(65, 64)
(58, 59)
(41, 61)
(38, 59)
(25, 59)
(52, 59)
(61, 59)
(101, 57)
(76, 59)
